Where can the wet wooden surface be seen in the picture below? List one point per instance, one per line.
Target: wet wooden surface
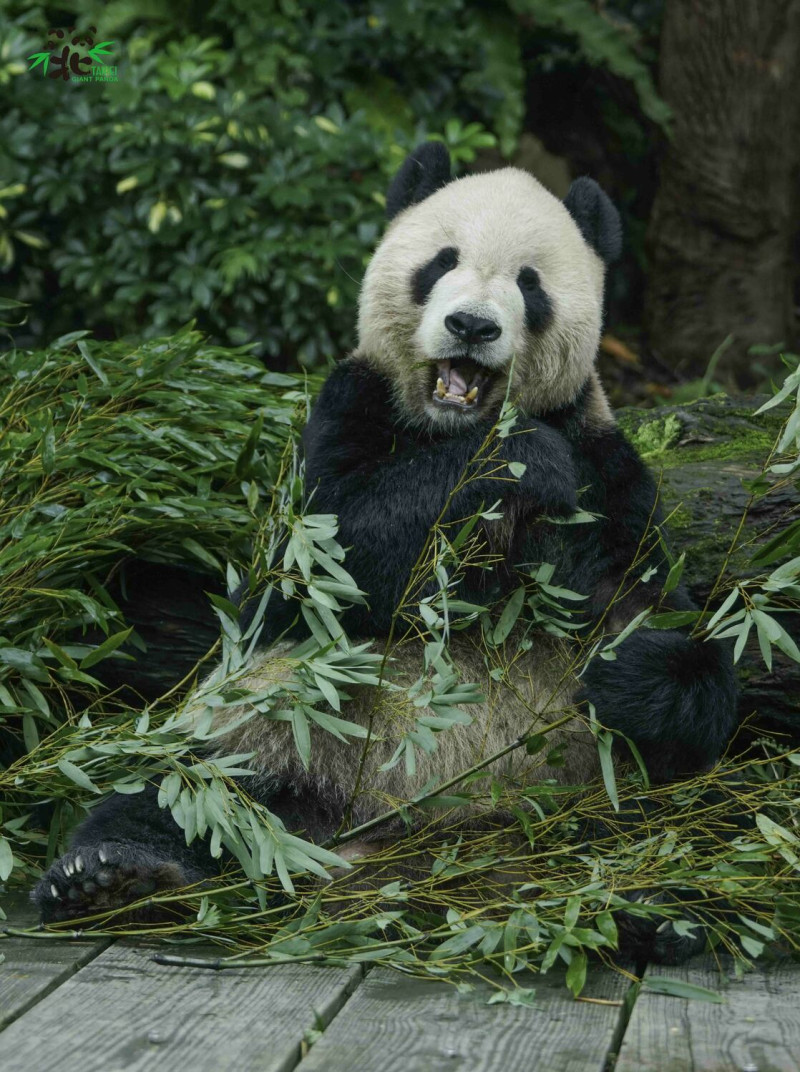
(756, 1029)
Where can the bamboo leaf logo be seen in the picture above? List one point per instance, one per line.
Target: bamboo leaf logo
(100, 50)
(40, 57)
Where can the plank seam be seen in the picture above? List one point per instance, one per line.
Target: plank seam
(335, 1008)
(629, 1000)
(57, 981)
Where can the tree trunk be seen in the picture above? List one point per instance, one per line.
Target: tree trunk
(727, 212)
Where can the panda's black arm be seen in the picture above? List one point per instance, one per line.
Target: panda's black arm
(623, 543)
(673, 695)
(388, 486)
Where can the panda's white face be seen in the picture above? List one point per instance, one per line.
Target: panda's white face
(486, 279)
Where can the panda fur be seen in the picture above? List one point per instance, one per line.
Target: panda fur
(470, 274)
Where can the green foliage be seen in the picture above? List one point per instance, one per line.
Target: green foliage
(108, 452)
(603, 42)
(235, 175)
(143, 451)
(183, 452)
(764, 602)
(236, 171)
(125, 452)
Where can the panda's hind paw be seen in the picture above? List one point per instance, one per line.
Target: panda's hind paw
(657, 937)
(670, 947)
(94, 879)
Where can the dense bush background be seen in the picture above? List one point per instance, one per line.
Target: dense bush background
(235, 172)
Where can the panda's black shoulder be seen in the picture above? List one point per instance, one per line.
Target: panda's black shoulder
(611, 450)
(351, 415)
(352, 384)
(619, 488)
(608, 464)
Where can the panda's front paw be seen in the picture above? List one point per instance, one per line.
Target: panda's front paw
(100, 878)
(548, 481)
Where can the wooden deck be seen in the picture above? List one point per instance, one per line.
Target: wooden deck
(102, 1006)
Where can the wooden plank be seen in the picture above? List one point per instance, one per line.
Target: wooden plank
(756, 1030)
(124, 1011)
(33, 967)
(394, 1023)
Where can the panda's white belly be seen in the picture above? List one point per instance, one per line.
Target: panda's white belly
(537, 691)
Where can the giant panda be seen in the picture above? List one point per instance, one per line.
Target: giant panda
(483, 288)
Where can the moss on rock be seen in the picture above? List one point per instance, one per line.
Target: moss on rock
(712, 429)
(654, 437)
(703, 454)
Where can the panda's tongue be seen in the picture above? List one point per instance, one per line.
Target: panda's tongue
(457, 384)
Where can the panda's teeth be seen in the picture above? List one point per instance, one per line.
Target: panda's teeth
(470, 396)
(441, 390)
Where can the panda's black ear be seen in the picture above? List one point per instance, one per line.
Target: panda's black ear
(597, 218)
(424, 172)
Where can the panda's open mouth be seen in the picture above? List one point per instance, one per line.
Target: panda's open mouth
(461, 382)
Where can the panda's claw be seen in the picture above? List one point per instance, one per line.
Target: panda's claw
(104, 878)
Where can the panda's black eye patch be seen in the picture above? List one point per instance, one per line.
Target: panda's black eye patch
(425, 278)
(538, 307)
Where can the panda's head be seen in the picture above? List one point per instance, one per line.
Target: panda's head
(483, 279)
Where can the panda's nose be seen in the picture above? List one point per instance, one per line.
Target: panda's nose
(471, 328)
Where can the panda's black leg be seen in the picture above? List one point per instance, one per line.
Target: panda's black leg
(673, 696)
(127, 848)
(653, 938)
(647, 935)
(657, 938)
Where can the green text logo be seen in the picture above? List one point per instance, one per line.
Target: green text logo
(75, 57)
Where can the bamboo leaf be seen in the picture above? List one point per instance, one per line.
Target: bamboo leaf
(674, 575)
(106, 648)
(459, 943)
(6, 859)
(605, 741)
(76, 775)
(576, 973)
(673, 619)
(728, 602)
(677, 988)
(509, 616)
(302, 735)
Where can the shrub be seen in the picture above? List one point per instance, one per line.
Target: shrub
(235, 173)
(235, 178)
